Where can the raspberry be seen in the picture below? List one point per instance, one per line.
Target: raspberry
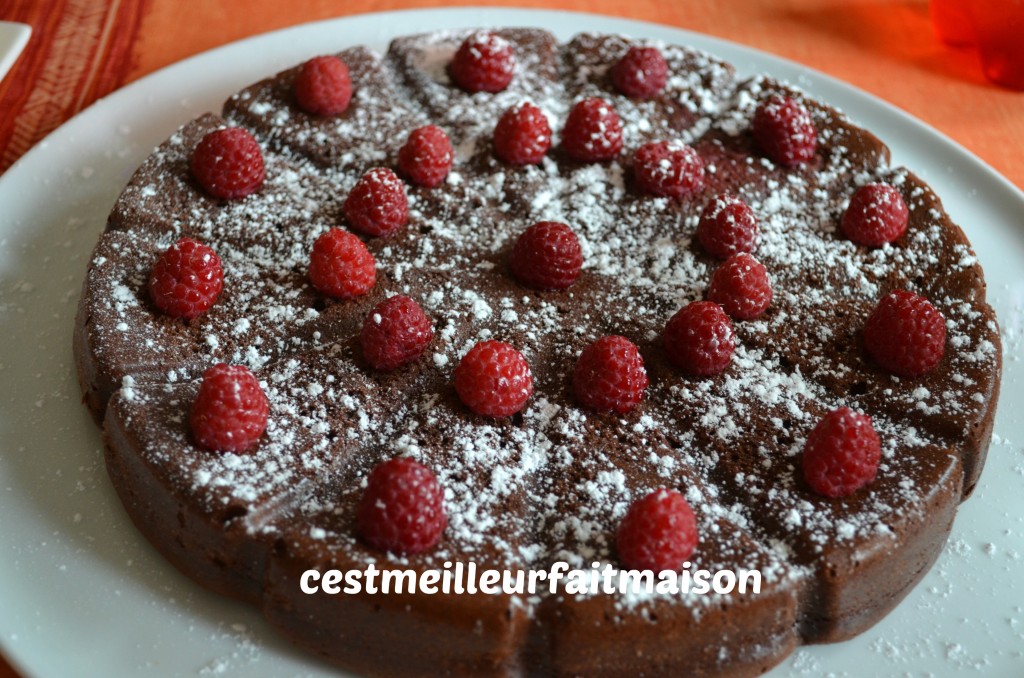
(395, 333)
(593, 131)
(658, 533)
(377, 204)
(401, 510)
(426, 157)
(230, 411)
(784, 131)
(485, 62)
(186, 280)
(547, 256)
(323, 86)
(228, 163)
(610, 375)
(727, 226)
(341, 266)
(522, 135)
(876, 215)
(740, 284)
(641, 73)
(841, 453)
(905, 334)
(494, 379)
(699, 339)
(668, 169)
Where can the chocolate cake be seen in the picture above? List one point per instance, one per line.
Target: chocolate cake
(552, 482)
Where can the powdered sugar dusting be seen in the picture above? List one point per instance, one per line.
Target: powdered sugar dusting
(552, 483)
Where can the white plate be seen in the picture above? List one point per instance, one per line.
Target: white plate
(83, 593)
(13, 38)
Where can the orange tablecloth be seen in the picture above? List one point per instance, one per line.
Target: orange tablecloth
(83, 49)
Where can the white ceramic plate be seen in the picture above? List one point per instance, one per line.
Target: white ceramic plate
(82, 592)
(13, 38)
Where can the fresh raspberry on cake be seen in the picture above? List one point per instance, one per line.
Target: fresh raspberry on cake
(522, 135)
(699, 339)
(905, 334)
(875, 216)
(841, 454)
(658, 533)
(426, 157)
(395, 333)
(485, 62)
(610, 375)
(593, 131)
(727, 226)
(547, 256)
(323, 86)
(186, 280)
(784, 131)
(230, 411)
(401, 511)
(741, 286)
(494, 379)
(377, 205)
(228, 163)
(668, 169)
(341, 266)
(641, 73)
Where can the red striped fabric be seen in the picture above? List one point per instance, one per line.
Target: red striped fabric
(80, 50)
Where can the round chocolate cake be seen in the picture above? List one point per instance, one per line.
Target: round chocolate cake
(554, 480)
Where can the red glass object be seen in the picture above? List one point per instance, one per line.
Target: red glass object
(952, 22)
(999, 27)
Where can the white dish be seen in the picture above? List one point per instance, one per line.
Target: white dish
(84, 594)
(13, 38)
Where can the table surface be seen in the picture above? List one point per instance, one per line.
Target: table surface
(78, 53)
(81, 50)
